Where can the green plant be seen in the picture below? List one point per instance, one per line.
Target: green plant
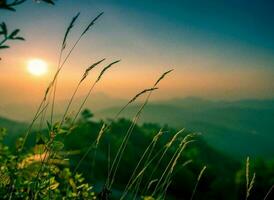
(8, 36)
(4, 34)
(4, 4)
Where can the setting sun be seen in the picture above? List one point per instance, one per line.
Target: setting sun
(37, 67)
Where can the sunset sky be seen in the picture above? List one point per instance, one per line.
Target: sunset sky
(219, 49)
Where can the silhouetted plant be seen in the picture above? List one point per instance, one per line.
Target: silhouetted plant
(5, 4)
(5, 36)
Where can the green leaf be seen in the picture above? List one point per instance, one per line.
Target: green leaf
(49, 126)
(41, 139)
(4, 28)
(14, 33)
(3, 132)
(7, 7)
(62, 131)
(57, 145)
(19, 38)
(49, 1)
(4, 47)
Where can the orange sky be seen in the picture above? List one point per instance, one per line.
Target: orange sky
(17, 85)
(205, 66)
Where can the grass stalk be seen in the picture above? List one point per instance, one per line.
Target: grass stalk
(197, 182)
(249, 183)
(152, 144)
(171, 164)
(269, 192)
(123, 145)
(166, 148)
(91, 88)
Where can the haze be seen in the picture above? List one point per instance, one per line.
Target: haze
(221, 51)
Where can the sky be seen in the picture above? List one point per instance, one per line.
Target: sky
(218, 49)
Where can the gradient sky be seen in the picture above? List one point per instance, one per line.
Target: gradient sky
(219, 49)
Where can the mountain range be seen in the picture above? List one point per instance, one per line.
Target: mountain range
(238, 128)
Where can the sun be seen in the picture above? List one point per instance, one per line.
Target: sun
(37, 67)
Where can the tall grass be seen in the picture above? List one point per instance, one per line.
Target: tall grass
(150, 160)
(249, 183)
(59, 68)
(51, 91)
(269, 192)
(123, 145)
(148, 150)
(77, 87)
(170, 166)
(197, 182)
(52, 85)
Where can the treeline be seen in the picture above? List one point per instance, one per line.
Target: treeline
(80, 151)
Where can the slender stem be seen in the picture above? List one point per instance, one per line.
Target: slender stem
(69, 104)
(55, 85)
(197, 182)
(125, 141)
(137, 166)
(83, 103)
(83, 157)
(165, 171)
(268, 193)
(37, 114)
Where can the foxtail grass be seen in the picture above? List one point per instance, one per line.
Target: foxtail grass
(53, 82)
(166, 148)
(148, 150)
(91, 88)
(63, 47)
(163, 187)
(107, 127)
(60, 66)
(197, 182)
(123, 145)
(77, 87)
(170, 166)
(269, 192)
(249, 182)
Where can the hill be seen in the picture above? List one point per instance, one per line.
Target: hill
(25, 111)
(239, 128)
(13, 128)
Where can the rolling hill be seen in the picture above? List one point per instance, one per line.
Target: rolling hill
(239, 128)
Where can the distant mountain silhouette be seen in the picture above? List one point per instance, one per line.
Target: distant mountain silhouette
(25, 112)
(240, 128)
(13, 128)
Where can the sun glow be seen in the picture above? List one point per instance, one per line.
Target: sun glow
(37, 67)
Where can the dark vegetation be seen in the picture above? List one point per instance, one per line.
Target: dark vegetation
(224, 177)
(231, 127)
(6, 35)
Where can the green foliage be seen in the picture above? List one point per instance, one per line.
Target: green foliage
(34, 175)
(56, 176)
(231, 127)
(8, 36)
(4, 34)
(86, 115)
(4, 4)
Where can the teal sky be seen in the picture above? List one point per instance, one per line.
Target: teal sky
(219, 49)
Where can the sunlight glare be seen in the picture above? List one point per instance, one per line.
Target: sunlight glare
(37, 67)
